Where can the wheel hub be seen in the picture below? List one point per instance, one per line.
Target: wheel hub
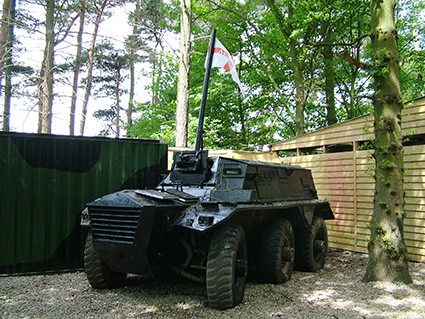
(319, 246)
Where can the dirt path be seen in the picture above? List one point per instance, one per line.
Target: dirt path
(334, 292)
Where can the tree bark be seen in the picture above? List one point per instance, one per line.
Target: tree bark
(117, 103)
(328, 56)
(133, 49)
(4, 32)
(184, 70)
(92, 54)
(387, 251)
(300, 95)
(77, 67)
(7, 35)
(45, 85)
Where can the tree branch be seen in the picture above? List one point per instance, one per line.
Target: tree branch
(353, 61)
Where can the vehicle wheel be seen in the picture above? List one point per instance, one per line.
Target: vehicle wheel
(311, 246)
(277, 253)
(98, 272)
(227, 267)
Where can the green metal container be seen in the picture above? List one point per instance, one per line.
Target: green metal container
(45, 183)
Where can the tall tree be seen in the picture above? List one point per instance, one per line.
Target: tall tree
(184, 72)
(296, 61)
(59, 19)
(77, 66)
(387, 251)
(101, 7)
(329, 72)
(155, 21)
(112, 64)
(45, 84)
(133, 49)
(92, 54)
(6, 38)
(4, 32)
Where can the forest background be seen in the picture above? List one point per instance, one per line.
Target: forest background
(303, 64)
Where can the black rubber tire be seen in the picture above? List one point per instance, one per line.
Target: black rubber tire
(227, 267)
(276, 252)
(98, 273)
(311, 246)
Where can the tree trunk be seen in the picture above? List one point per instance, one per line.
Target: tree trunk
(45, 85)
(92, 54)
(300, 96)
(133, 49)
(297, 67)
(328, 56)
(184, 70)
(156, 77)
(387, 251)
(7, 35)
(4, 32)
(117, 103)
(77, 67)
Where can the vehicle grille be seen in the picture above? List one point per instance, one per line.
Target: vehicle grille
(116, 225)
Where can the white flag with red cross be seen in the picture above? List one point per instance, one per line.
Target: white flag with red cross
(222, 59)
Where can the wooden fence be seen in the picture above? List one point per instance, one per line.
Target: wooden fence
(343, 168)
(343, 173)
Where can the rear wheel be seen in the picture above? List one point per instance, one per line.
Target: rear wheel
(311, 246)
(97, 271)
(227, 267)
(276, 253)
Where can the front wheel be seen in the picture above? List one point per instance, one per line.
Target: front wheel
(227, 267)
(98, 273)
(311, 246)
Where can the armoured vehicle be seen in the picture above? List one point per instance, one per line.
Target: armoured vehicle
(212, 220)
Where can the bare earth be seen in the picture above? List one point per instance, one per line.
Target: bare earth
(337, 291)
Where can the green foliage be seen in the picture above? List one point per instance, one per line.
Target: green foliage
(270, 50)
(112, 65)
(154, 122)
(157, 119)
(261, 48)
(411, 48)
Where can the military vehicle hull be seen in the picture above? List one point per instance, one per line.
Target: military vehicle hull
(213, 220)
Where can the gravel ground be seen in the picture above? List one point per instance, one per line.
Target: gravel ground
(336, 291)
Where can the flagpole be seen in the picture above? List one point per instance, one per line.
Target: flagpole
(200, 130)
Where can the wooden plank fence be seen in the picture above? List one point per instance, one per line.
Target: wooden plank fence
(345, 177)
(343, 170)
